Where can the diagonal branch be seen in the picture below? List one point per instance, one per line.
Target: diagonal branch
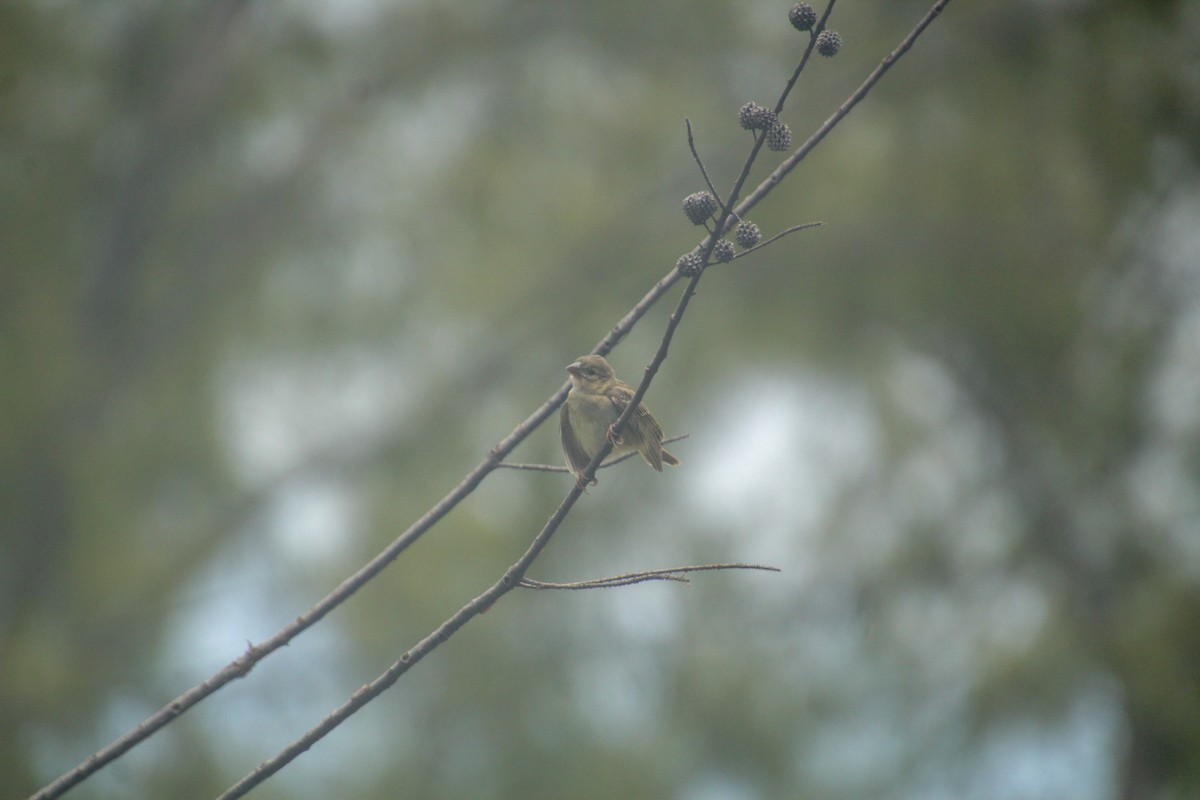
(788, 164)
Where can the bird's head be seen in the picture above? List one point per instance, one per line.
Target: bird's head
(590, 373)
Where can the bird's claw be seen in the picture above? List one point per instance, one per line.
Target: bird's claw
(613, 439)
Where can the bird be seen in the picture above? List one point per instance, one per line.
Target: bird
(596, 399)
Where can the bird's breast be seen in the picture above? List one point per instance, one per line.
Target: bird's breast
(591, 414)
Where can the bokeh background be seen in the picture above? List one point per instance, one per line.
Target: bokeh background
(274, 275)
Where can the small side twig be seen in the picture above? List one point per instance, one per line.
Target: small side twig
(560, 468)
(700, 164)
(631, 578)
(777, 237)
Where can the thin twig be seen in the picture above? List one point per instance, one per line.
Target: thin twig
(812, 42)
(700, 164)
(544, 467)
(602, 583)
(630, 578)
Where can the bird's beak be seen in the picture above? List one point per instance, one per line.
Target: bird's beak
(574, 367)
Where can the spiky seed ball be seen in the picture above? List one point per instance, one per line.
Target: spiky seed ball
(828, 43)
(779, 137)
(754, 117)
(723, 251)
(747, 115)
(746, 234)
(802, 17)
(699, 206)
(688, 264)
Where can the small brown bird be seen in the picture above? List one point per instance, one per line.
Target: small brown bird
(595, 401)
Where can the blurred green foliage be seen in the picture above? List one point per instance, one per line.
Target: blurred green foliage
(273, 276)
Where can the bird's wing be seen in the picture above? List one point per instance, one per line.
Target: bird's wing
(642, 422)
(577, 457)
